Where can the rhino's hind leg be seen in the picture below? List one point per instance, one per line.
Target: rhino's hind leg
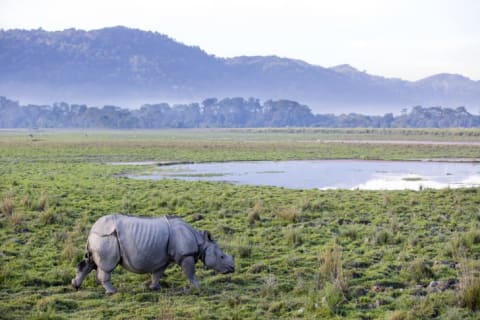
(83, 269)
(106, 255)
(156, 276)
(104, 278)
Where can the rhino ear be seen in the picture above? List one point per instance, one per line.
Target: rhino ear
(207, 236)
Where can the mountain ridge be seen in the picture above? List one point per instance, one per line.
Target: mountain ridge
(121, 65)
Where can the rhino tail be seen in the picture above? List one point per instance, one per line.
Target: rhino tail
(88, 264)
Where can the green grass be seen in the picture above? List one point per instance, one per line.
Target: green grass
(300, 253)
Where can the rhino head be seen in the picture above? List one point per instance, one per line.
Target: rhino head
(214, 257)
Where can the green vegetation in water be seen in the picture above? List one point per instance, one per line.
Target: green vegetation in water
(299, 253)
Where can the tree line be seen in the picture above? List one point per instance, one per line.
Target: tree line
(224, 113)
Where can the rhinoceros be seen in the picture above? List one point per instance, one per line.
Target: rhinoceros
(148, 245)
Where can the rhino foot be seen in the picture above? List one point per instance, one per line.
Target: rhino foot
(75, 285)
(154, 287)
(110, 292)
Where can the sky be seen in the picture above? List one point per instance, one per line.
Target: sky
(407, 39)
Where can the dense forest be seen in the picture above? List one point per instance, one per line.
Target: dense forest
(224, 113)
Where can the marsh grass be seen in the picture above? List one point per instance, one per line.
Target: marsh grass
(7, 205)
(42, 201)
(65, 176)
(469, 285)
(417, 271)
(290, 214)
(294, 236)
(256, 212)
(18, 220)
(334, 297)
(331, 267)
(270, 285)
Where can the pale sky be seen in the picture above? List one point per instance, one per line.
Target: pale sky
(408, 39)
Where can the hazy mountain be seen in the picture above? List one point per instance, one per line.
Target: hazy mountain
(130, 67)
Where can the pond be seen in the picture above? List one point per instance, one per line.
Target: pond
(328, 174)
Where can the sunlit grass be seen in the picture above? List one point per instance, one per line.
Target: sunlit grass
(299, 253)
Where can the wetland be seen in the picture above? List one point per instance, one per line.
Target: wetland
(300, 253)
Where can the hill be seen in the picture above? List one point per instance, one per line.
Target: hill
(130, 67)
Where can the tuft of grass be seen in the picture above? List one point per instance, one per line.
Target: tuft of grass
(254, 214)
(42, 201)
(382, 237)
(397, 315)
(294, 236)
(291, 214)
(334, 297)
(331, 267)
(242, 247)
(69, 250)
(469, 286)
(48, 217)
(270, 285)
(457, 247)
(17, 220)
(418, 270)
(7, 205)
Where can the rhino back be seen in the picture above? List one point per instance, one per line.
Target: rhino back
(143, 243)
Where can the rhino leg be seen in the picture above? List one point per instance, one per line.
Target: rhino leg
(156, 276)
(83, 269)
(188, 266)
(104, 278)
(106, 255)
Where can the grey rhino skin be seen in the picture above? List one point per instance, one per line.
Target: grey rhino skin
(148, 245)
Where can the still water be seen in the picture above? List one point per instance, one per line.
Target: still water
(328, 174)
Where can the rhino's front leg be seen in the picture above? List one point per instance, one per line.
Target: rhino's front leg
(104, 278)
(188, 266)
(156, 276)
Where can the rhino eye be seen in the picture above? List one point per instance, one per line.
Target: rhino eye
(222, 257)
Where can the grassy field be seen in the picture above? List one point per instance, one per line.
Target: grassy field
(304, 254)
